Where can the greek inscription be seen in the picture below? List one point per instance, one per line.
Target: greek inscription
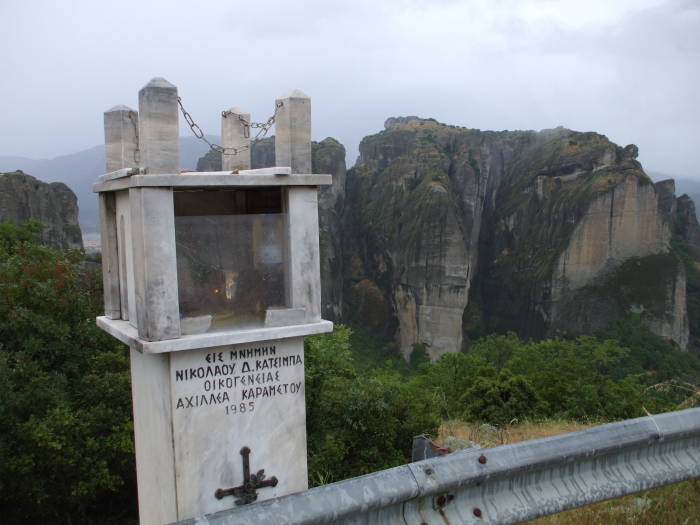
(186, 374)
(235, 379)
(247, 353)
(201, 400)
(271, 391)
(216, 356)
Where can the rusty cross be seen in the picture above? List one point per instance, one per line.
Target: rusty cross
(247, 492)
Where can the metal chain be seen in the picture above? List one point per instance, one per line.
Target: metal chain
(263, 126)
(137, 152)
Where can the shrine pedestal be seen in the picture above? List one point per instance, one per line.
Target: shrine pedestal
(229, 398)
(211, 405)
(213, 280)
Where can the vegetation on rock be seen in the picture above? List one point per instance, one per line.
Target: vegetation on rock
(448, 223)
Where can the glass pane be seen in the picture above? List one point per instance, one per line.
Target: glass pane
(230, 258)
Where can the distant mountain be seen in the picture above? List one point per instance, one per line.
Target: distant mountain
(80, 170)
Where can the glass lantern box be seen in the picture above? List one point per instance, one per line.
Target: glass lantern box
(226, 257)
(231, 248)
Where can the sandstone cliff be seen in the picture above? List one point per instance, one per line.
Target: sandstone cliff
(24, 197)
(686, 242)
(454, 232)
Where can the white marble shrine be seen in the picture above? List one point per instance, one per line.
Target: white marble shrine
(213, 280)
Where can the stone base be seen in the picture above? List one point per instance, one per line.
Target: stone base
(195, 411)
(127, 334)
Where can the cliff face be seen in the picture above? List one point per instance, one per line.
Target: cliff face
(419, 195)
(328, 156)
(686, 241)
(24, 197)
(453, 233)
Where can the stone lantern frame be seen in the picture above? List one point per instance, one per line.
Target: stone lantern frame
(138, 218)
(138, 227)
(191, 431)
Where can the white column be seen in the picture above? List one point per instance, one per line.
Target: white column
(121, 138)
(110, 256)
(155, 268)
(235, 133)
(303, 260)
(152, 238)
(121, 151)
(153, 217)
(153, 437)
(293, 132)
(158, 127)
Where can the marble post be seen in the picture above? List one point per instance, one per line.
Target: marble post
(304, 263)
(235, 133)
(121, 138)
(159, 134)
(151, 236)
(153, 438)
(121, 151)
(110, 256)
(293, 148)
(153, 217)
(293, 132)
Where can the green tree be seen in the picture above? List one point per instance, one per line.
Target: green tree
(577, 378)
(496, 349)
(447, 379)
(499, 397)
(656, 357)
(357, 422)
(66, 453)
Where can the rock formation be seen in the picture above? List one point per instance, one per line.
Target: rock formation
(24, 197)
(455, 232)
(686, 241)
(328, 156)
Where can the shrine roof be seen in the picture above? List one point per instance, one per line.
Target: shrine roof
(276, 176)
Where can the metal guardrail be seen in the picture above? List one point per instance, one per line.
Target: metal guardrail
(499, 485)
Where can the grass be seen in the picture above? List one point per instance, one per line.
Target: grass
(677, 504)
(510, 434)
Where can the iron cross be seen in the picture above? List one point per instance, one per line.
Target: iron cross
(247, 492)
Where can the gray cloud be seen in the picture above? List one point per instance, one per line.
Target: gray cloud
(627, 69)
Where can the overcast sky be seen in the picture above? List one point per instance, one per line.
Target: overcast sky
(626, 68)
